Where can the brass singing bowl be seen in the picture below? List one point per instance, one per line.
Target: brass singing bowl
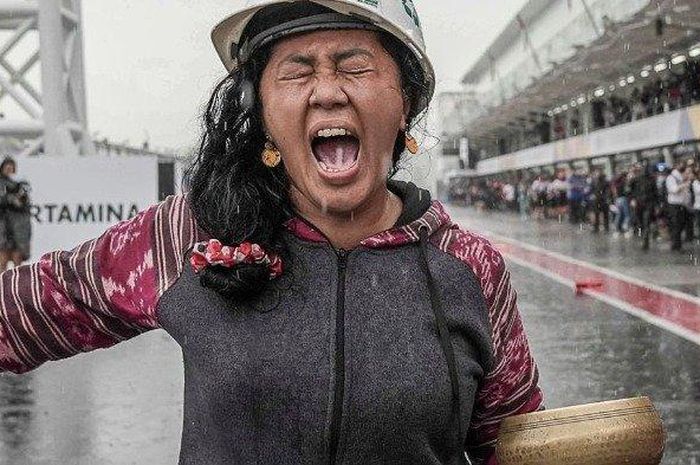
(616, 432)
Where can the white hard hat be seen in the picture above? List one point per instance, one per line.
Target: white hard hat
(396, 17)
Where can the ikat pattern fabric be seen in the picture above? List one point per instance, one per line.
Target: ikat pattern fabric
(100, 293)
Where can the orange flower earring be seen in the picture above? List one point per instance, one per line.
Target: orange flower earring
(271, 156)
(411, 144)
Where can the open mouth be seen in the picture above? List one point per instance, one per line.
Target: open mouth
(336, 150)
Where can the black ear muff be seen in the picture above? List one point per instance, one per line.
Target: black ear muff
(246, 98)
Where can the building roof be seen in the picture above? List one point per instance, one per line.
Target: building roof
(623, 49)
(531, 10)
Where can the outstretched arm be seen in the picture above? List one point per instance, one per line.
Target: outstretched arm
(100, 293)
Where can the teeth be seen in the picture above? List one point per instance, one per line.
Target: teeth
(328, 169)
(333, 132)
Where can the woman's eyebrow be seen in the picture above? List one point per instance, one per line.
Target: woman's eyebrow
(345, 54)
(300, 59)
(337, 57)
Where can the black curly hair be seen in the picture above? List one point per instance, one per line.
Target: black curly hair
(233, 195)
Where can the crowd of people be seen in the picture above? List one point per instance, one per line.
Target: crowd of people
(655, 97)
(670, 90)
(651, 201)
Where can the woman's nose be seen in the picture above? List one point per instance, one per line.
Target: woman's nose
(328, 92)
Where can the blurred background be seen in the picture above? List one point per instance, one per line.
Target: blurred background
(566, 131)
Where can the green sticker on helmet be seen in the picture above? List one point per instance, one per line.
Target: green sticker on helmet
(411, 11)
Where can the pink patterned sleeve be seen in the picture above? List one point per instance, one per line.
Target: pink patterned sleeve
(511, 387)
(100, 293)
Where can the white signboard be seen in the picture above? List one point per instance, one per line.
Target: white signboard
(464, 151)
(76, 199)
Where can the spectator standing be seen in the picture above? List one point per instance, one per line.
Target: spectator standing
(644, 197)
(638, 109)
(538, 192)
(15, 218)
(576, 196)
(557, 193)
(559, 128)
(523, 198)
(509, 196)
(678, 197)
(601, 197)
(695, 194)
(689, 223)
(493, 195)
(620, 190)
(694, 81)
(662, 222)
(674, 94)
(477, 197)
(635, 172)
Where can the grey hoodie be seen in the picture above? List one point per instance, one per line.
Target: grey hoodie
(407, 350)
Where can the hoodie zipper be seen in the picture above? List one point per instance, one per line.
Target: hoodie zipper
(339, 367)
(339, 356)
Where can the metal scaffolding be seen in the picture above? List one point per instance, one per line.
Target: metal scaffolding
(57, 119)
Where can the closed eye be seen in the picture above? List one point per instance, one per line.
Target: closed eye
(296, 67)
(295, 76)
(356, 72)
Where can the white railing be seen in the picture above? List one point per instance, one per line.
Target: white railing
(657, 131)
(110, 149)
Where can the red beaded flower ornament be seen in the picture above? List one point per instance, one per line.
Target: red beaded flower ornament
(213, 253)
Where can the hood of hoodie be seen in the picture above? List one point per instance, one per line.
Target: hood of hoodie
(419, 213)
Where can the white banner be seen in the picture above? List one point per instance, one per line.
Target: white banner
(76, 199)
(464, 151)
